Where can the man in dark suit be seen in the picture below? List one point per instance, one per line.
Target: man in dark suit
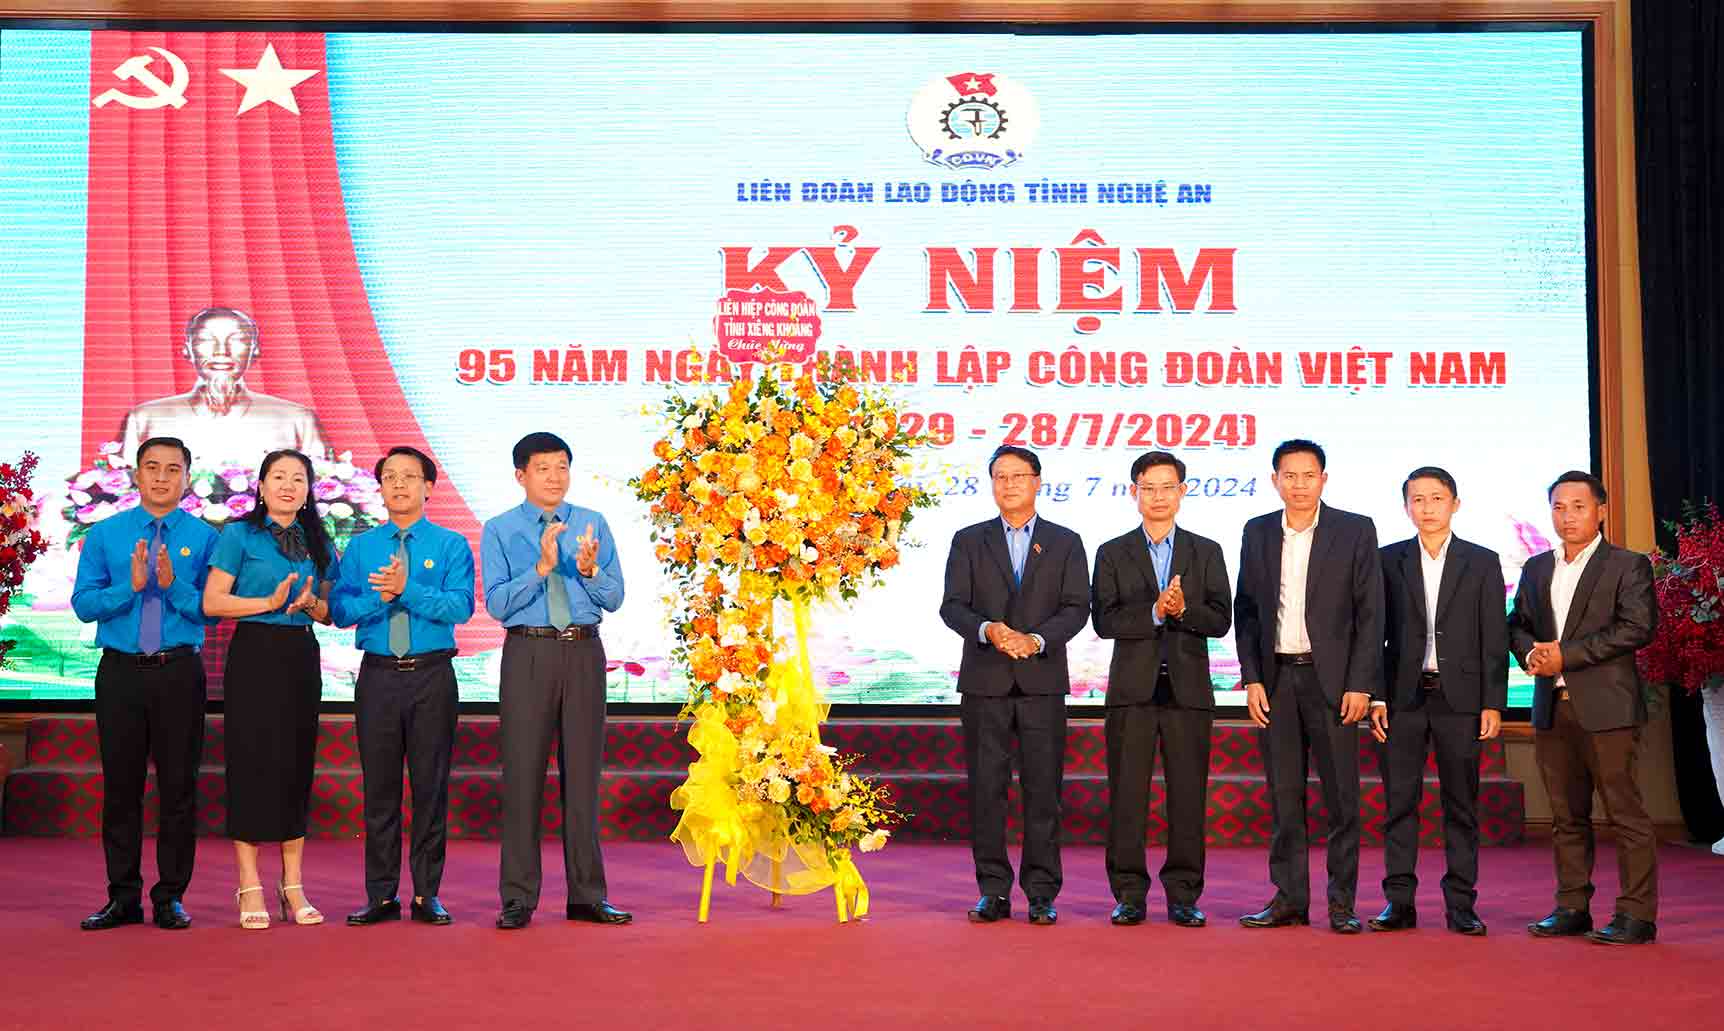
(1580, 614)
(1445, 683)
(1308, 619)
(1017, 589)
(1158, 687)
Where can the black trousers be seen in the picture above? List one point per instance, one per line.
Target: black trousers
(1133, 732)
(1304, 727)
(405, 716)
(1039, 723)
(1430, 723)
(144, 714)
(552, 691)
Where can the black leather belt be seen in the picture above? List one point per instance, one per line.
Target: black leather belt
(577, 632)
(1294, 659)
(408, 663)
(153, 659)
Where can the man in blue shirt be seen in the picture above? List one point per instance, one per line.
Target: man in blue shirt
(1160, 593)
(1016, 590)
(406, 585)
(140, 580)
(550, 589)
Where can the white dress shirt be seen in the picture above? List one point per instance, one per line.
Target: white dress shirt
(1291, 635)
(1433, 570)
(1563, 580)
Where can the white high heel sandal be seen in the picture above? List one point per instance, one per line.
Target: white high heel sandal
(305, 915)
(251, 919)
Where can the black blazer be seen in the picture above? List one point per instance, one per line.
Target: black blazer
(1053, 602)
(1614, 614)
(1122, 602)
(1472, 634)
(1343, 603)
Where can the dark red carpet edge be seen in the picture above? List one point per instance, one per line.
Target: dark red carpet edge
(915, 963)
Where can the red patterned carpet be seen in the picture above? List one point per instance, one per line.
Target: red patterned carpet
(915, 963)
(58, 791)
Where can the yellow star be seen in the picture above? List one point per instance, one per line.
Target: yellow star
(269, 81)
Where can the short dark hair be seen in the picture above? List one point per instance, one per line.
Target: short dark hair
(1020, 452)
(1430, 472)
(426, 466)
(540, 443)
(1151, 459)
(1576, 476)
(1296, 446)
(165, 442)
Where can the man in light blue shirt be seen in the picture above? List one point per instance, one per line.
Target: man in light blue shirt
(550, 589)
(407, 585)
(140, 580)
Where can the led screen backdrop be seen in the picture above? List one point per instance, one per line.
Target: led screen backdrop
(1089, 244)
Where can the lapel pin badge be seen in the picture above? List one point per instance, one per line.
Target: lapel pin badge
(185, 553)
(1037, 548)
(429, 563)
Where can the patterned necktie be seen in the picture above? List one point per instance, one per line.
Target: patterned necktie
(400, 633)
(556, 592)
(150, 616)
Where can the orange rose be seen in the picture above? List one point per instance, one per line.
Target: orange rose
(714, 587)
(888, 558)
(696, 439)
(661, 450)
(807, 795)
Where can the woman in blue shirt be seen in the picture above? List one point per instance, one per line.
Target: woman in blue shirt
(271, 571)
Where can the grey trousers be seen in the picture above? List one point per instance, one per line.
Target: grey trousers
(552, 690)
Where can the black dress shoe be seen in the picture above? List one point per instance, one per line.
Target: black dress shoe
(600, 912)
(1185, 915)
(1465, 921)
(991, 909)
(1042, 911)
(1127, 914)
(1396, 916)
(430, 911)
(514, 917)
(1342, 921)
(114, 914)
(1562, 923)
(375, 913)
(1276, 915)
(1625, 930)
(171, 916)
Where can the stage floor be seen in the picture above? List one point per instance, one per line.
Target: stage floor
(915, 962)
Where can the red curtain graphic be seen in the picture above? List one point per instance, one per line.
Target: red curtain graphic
(192, 204)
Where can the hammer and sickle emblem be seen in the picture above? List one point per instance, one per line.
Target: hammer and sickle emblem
(162, 94)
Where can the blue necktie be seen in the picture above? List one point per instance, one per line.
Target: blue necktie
(556, 592)
(400, 631)
(150, 616)
(1019, 554)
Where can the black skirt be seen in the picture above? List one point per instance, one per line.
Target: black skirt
(274, 686)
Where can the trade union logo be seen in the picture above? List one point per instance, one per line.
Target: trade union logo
(973, 120)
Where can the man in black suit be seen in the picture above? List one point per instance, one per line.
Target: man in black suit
(1158, 687)
(1308, 619)
(1017, 589)
(1579, 616)
(1445, 670)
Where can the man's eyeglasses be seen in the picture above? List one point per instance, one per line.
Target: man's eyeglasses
(403, 479)
(1010, 479)
(1161, 490)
